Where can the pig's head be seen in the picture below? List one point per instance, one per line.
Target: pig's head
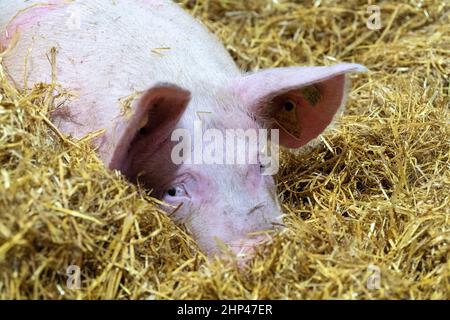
(226, 203)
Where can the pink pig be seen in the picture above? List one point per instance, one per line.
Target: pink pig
(179, 74)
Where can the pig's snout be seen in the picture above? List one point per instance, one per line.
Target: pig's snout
(245, 249)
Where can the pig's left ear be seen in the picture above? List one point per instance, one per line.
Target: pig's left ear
(300, 101)
(149, 122)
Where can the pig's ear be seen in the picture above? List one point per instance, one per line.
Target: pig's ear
(152, 118)
(300, 101)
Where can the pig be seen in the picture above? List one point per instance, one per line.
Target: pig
(173, 72)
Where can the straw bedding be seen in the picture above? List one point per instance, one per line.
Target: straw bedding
(367, 210)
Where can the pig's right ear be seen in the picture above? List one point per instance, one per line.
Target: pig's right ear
(152, 117)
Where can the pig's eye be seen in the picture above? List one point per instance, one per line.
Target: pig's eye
(176, 192)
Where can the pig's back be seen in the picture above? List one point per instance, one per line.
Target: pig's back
(118, 50)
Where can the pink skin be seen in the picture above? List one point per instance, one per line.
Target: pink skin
(27, 19)
(217, 203)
